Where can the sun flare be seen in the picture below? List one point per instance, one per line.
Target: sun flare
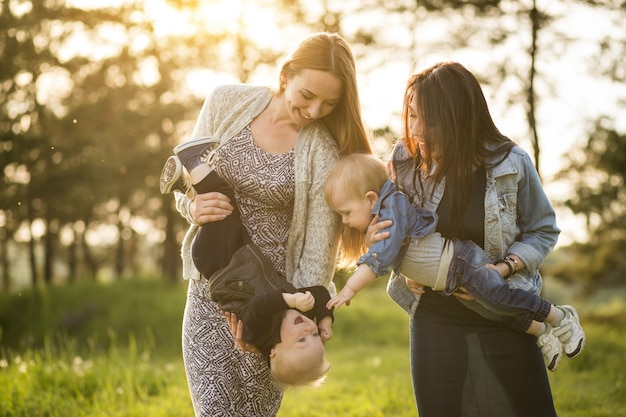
(245, 18)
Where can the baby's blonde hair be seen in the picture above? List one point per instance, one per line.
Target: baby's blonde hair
(354, 175)
(296, 371)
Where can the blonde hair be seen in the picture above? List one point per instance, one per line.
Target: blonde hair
(291, 371)
(354, 175)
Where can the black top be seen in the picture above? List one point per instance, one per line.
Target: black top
(250, 287)
(263, 315)
(464, 364)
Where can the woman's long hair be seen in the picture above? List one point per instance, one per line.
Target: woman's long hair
(329, 52)
(454, 123)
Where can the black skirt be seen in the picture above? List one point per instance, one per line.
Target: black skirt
(465, 365)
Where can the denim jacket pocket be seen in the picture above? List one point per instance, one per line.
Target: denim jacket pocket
(507, 206)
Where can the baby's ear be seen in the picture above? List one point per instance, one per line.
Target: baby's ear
(372, 197)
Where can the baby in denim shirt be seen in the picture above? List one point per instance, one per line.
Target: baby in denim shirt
(358, 188)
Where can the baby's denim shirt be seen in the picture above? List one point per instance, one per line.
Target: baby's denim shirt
(408, 221)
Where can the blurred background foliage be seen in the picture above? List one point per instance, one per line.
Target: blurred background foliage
(94, 95)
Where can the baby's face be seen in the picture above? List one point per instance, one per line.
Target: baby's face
(300, 345)
(356, 212)
(299, 332)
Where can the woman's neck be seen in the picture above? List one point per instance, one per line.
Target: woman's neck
(273, 129)
(276, 113)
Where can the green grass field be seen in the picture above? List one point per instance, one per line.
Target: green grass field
(114, 350)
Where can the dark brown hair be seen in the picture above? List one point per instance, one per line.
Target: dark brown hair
(457, 128)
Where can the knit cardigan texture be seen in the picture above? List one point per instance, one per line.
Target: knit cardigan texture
(314, 233)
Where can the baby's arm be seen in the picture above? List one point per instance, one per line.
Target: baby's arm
(363, 276)
(303, 301)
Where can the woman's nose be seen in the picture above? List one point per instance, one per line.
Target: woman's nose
(314, 110)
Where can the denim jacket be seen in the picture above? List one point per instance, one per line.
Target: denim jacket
(408, 221)
(519, 219)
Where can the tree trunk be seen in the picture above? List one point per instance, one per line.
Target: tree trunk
(72, 258)
(535, 20)
(91, 264)
(49, 239)
(171, 263)
(120, 258)
(4, 260)
(32, 257)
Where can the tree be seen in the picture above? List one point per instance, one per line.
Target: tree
(93, 100)
(598, 176)
(83, 128)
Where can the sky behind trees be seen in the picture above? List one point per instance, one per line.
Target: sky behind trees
(95, 97)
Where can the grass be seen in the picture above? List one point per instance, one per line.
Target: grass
(114, 350)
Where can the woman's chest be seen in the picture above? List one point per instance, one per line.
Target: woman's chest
(255, 174)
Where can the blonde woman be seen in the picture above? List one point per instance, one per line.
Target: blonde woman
(276, 147)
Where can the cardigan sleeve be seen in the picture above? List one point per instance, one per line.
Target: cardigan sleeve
(314, 233)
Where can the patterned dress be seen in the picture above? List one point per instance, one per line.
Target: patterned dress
(264, 188)
(223, 380)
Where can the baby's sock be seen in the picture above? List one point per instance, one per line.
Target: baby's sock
(558, 317)
(541, 329)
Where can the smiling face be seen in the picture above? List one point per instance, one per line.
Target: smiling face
(300, 352)
(415, 128)
(299, 332)
(311, 95)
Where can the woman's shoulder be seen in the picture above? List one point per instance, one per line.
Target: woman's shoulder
(239, 92)
(400, 152)
(317, 138)
(229, 107)
(519, 152)
(516, 160)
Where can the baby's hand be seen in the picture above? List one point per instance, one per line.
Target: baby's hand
(344, 297)
(304, 301)
(325, 329)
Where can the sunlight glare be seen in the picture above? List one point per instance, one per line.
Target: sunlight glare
(235, 17)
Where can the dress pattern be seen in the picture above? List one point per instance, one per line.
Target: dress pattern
(264, 187)
(223, 380)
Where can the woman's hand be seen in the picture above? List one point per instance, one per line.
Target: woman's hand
(415, 287)
(374, 233)
(236, 328)
(210, 207)
(463, 294)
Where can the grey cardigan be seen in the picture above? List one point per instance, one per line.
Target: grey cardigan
(314, 234)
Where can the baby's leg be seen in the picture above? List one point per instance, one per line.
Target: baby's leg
(216, 242)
